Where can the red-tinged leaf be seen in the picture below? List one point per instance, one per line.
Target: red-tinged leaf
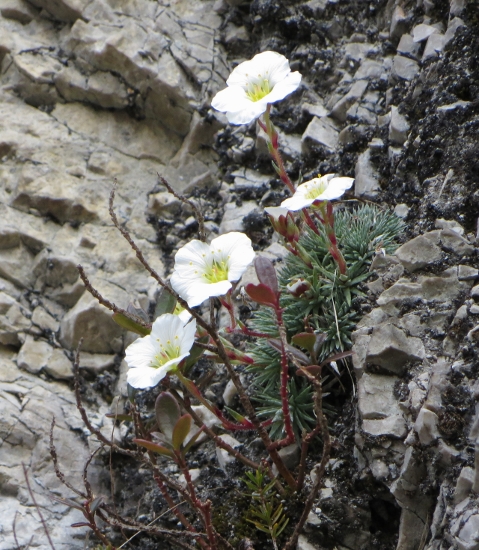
(262, 294)
(95, 503)
(266, 273)
(130, 324)
(181, 430)
(305, 340)
(67, 502)
(337, 357)
(154, 447)
(120, 417)
(81, 524)
(295, 352)
(167, 413)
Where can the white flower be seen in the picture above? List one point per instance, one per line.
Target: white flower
(254, 84)
(203, 270)
(151, 357)
(324, 188)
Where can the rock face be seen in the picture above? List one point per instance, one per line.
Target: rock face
(93, 92)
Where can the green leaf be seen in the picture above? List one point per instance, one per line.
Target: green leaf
(167, 413)
(166, 303)
(130, 324)
(154, 447)
(195, 353)
(305, 340)
(180, 431)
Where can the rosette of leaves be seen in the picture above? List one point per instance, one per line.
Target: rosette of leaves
(327, 307)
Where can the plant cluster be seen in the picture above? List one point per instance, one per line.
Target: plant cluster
(303, 326)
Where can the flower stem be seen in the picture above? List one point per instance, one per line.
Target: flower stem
(273, 149)
(328, 216)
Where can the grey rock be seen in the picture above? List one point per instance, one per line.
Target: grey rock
(234, 215)
(392, 426)
(418, 253)
(467, 538)
(407, 46)
(320, 132)
(64, 10)
(456, 7)
(404, 68)
(423, 32)
(34, 355)
(44, 320)
(434, 45)
(398, 23)
(453, 242)
(376, 398)
(54, 270)
(340, 109)
(467, 273)
(401, 210)
(426, 426)
(452, 27)
(441, 223)
(13, 320)
(224, 458)
(16, 266)
(452, 106)
(398, 127)
(366, 184)
(101, 88)
(370, 69)
(245, 178)
(303, 544)
(290, 455)
(96, 362)
(391, 349)
(92, 322)
(59, 366)
(464, 484)
(20, 10)
(315, 109)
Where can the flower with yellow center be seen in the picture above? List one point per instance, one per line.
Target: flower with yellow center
(204, 270)
(150, 358)
(319, 189)
(253, 85)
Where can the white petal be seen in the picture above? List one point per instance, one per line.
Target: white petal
(140, 353)
(336, 188)
(284, 88)
(188, 337)
(252, 111)
(233, 98)
(202, 291)
(145, 377)
(296, 202)
(237, 250)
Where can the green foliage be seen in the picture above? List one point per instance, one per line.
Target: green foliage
(266, 514)
(325, 308)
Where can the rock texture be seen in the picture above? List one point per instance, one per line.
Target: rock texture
(93, 92)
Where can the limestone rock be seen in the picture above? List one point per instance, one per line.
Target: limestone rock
(398, 127)
(366, 177)
(319, 133)
(13, 320)
(234, 215)
(34, 355)
(340, 109)
(391, 349)
(92, 322)
(404, 68)
(418, 253)
(224, 458)
(64, 10)
(426, 426)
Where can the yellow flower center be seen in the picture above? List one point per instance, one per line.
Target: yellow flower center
(218, 271)
(166, 352)
(317, 188)
(259, 90)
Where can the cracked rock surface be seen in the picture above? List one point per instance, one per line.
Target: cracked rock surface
(98, 91)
